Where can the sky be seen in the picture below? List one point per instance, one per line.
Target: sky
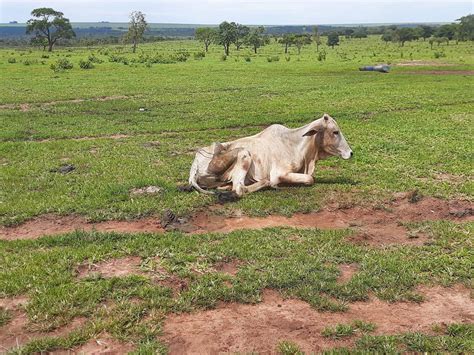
(264, 12)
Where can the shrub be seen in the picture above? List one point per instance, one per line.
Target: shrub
(322, 56)
(223, 58)
(287, 58)
(61, 64)
(273, 58)
(181, 56)
(118, 59)
(199, 55)
(11, 60)
(93, 59)
(86, 64)
(30, 61)
(44, 56)
(248, 59)
(439, 55)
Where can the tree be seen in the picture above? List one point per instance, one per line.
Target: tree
(136, 28)
(333, 39)
(256, 39)
(360, 32)
(226, 35)
(348, 32)
(49, 25)
(466, 28)
(426, 31)
(242, 33)
(206, 35)
(316, 37)
(388, 36)
(40, 42)
(301, 40)
(288, 39)
(448, 31)
(404, 34)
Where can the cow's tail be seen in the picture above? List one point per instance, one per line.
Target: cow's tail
(193, 174)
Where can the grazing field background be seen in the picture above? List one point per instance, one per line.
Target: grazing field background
(135, 120)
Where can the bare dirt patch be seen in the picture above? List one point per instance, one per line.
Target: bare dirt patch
(259, 328)
(103, 344)
(24, 107)
(347, 271)
(381, 225)
(112, 268)
(19, 330)
(229, 268)
(422, 63)
(440, 72)
(54, 225)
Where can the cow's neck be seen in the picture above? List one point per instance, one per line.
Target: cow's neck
(308, 150)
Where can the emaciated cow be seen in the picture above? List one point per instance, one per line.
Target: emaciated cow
(277, 155)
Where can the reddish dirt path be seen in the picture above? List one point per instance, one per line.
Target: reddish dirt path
(259, 328)
(374, 226)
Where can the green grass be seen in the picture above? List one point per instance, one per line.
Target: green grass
(347, 330)
(5, 316)
(405, 129)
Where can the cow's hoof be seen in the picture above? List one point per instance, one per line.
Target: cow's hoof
(227, 196)
(185, 188)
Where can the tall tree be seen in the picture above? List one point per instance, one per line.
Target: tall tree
(466, 28)
(316, 37)
(136, 28)
(49, 25)
(404, 34)
(242, 33)
(226, 35)
(333, 39)
(301, 40)
(256, 38)
(360, 32)
(206, 35)
(288, 39)
(426, 31)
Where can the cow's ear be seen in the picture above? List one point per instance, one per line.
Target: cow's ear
(311, 132)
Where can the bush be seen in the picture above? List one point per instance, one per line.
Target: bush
(223, 58)
(30, 61)
(118, 59)
(61, 64)
(181, 56)
(273, 58)
(93, 59)
(86, 64)
(287, 58)
(11, 60)
(44, 56)
(248, 59)
(322, 56)
(439, 55)
(199, 55)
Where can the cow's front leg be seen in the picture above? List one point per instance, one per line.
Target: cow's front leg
(242, 167)
(295, 178)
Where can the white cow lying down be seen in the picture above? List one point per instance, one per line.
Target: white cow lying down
(277, 155)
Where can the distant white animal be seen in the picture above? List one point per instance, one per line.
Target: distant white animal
(277, 155)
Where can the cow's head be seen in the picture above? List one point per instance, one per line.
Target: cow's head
(329, 138)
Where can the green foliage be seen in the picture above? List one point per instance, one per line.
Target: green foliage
(227, 34)
(273, 58)
(466, 28)
(30, 62)
(439, 55)
(12, 60)
(93, 59)
(49, 25)
(180, 56)
(321, 55)
(86, 64)
(223, 58)
(333, 39)
(136, 28)
(199, 55)
(256, 38)
(5, 316)
(288, 348)
(206, 35)
(61, 64)
(346, 330)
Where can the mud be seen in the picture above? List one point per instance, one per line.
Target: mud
(375, 226)
(19, 330)
(239, 328)
(54, 225)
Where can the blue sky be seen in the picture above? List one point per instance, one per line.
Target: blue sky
(248, 11)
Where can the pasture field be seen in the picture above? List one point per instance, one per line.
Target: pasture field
(376, 256)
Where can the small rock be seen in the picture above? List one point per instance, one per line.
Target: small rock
(148, 190)
(142, 109)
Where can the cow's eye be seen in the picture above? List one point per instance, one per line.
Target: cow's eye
(336, 132)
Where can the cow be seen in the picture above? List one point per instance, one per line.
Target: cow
(276, 156)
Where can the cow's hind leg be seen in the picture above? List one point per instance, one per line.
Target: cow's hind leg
(295, 178)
